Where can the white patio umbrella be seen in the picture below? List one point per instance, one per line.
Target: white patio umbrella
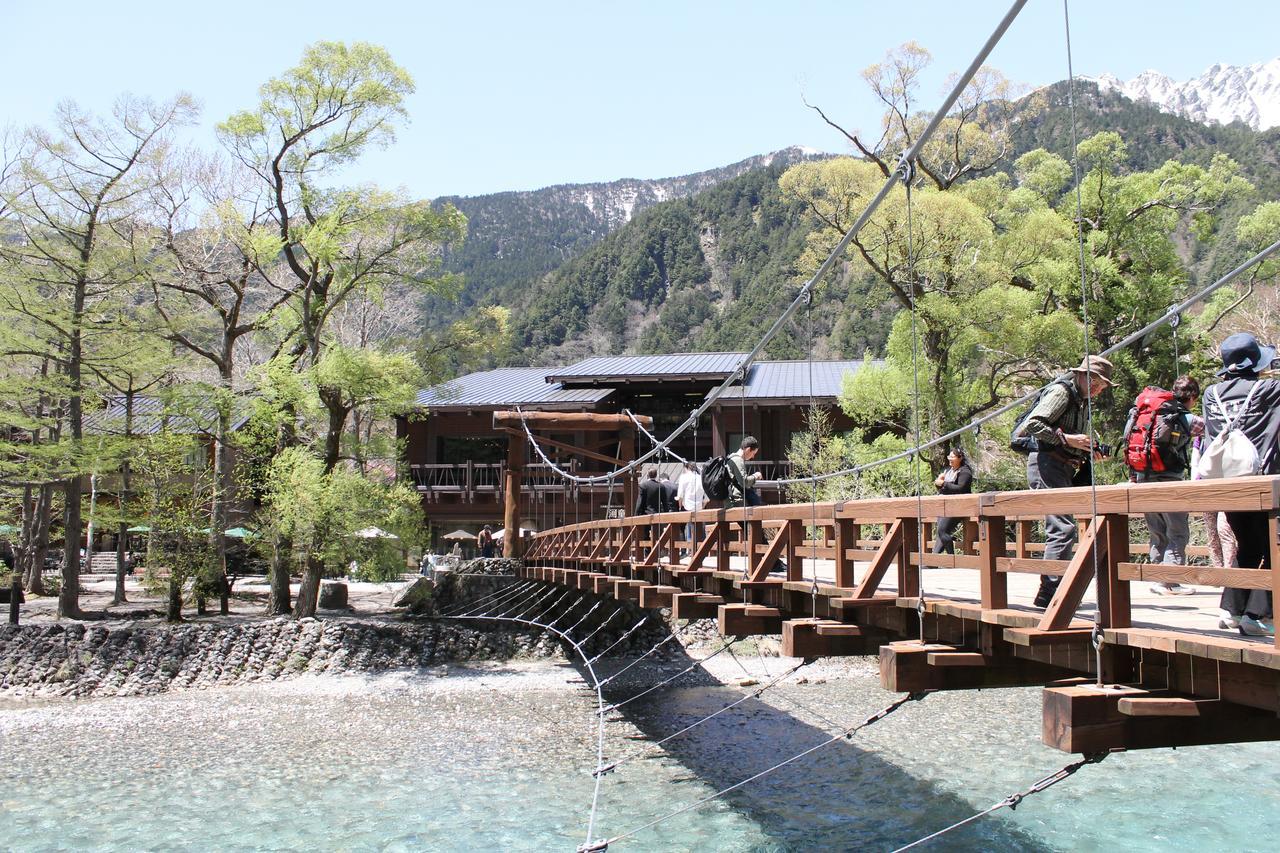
(374, 533)
(523, 531)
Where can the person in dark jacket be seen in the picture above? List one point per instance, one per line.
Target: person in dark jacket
(957, 479)
(1059, 424)
(650, 494)
(668, 494)
(1254, 403)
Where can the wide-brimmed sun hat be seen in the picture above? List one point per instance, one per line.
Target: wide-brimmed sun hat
(1096, 366)
(1241, 353)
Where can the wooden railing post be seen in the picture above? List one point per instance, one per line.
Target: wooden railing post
(795, 534)
(1273, 542)
(908, 569)
(1113, 594)
(846, 537)
(994, 584)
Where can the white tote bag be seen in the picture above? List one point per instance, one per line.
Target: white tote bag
(1231, 453)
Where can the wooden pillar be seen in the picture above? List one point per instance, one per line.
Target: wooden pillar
(846, 537)
(908, 569)
(626, 453)
(1113, 593)
(717, 434)
(794, 531)
(994, 584)
(512, 546)
(1273, 543)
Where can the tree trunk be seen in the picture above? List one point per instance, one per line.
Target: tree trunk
(280, 604)
(69, 595)
(122, 533)
(93, 507)
(43, 517)
(309, 592)
(173, 612)
(117, 597)
(222, 488)
(337, 420)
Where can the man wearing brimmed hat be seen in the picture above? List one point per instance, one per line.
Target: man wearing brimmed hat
(1254, 404)
(1059, 423)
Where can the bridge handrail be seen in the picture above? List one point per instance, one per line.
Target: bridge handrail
(1104, 514)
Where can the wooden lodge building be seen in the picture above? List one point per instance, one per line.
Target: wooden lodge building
(457, 458)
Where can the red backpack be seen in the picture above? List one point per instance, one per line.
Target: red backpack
(1159, 433)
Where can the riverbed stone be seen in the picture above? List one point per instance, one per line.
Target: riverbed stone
(415, 595)
(333, 596)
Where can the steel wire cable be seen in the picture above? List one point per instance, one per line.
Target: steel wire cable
(944, 109)
(669, 638)
(754, 694)
(489, 602)
(1014, 800)
(690, 668)
(622, 639)
(595, 797)
(489, 599)
(845, 734)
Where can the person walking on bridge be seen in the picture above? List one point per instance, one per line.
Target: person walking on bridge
(1059, 424)
(1252, 405)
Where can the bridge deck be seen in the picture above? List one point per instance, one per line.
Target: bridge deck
(1185, 681)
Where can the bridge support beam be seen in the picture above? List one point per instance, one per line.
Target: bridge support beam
(694, 605)
(652, 597)
(747, 620)
(909, 666)
(1082, 718)
(805, 638)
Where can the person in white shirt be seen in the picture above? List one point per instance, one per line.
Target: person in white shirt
(691, 497)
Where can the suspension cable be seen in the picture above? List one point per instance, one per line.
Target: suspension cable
(976, 423)
(1014, 800)
(944, 109)
(755, 694)
(845, 734)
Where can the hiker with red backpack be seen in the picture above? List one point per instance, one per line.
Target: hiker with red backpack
(1157, 447)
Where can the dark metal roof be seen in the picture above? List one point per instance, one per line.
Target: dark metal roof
(507, 386)
(623, 369)
(789, 380)
(152, 415)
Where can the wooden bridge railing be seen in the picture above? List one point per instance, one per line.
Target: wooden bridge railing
(856, 543)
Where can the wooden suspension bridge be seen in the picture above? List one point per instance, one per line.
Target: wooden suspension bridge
(856, 582)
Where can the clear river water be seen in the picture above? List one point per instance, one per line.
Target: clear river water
(500, 758)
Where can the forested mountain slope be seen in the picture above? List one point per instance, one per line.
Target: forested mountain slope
(710, 272)
(515, 238)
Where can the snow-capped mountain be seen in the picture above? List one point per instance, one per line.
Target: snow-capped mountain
(1222, 94)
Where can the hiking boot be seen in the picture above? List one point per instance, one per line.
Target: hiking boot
(1251, 627)
(1045, 595)
(1171, 589)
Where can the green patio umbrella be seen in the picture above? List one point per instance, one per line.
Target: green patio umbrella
(141, 528)
(240, 533)
(7, 529)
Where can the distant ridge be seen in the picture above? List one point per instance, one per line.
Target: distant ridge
(515, 238)
(1221, 95)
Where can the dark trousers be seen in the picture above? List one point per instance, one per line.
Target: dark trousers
(1253, 552)
(1047, 471)
(945, 541)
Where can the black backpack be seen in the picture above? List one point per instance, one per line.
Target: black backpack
(716, 477)
(1024, 443)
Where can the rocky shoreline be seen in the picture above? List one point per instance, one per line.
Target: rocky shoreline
(75, 659)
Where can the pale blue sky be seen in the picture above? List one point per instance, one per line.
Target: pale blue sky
(523, 95)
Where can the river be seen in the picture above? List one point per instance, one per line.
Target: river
(500, 757)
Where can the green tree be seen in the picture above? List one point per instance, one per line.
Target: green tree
(317, 511)
(309, 123)
(71, 201)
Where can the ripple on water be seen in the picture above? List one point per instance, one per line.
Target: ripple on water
(501, 759)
